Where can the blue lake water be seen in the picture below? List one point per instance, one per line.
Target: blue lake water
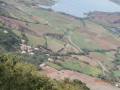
(79, 7)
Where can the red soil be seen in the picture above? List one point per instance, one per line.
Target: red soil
(104, 45)
(86, 32)
(111, 40)
(20, 23)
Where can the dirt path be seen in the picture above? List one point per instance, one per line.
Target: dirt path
(103, 68)
(74, 44)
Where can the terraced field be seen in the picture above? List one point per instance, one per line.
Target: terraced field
(79, 40)
(90, 70)
(34, 40)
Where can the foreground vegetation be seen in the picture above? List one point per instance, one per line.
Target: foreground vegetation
(16, 75)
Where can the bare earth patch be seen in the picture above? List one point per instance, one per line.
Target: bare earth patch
(86, 59)
(59, 75)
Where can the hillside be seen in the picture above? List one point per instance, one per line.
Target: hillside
(59, 44)
(24, 76)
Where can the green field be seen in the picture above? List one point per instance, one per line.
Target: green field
(54, 45)
(53, 65)
(90, 70)
(78, 39)
(34, 41)
(18, 33)
(104, 56)
(55, 20)
(117, 73)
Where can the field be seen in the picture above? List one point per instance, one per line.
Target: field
(18, 33)
(86, 59)
(54, 45)
(53, 65)
(117, 73)
(78, 39)
(42, 29)
(56, 20)
(109, 65)
(104, 56)
(89, 70)
(59, 75)
(34, 40)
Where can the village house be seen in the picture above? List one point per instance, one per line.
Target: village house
(42, 65)
(36, 49)
(5, 31)
(31, 53)
(23, 52)
(49, 59)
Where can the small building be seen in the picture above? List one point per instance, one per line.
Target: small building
(42, 65)
(29, 50)
(29, 47)
(49, 59)
(58, 57)
(23, 52)
(5, 31)
(3, 4)
(47, 55)
(36, 49)
(23, 41)
(31, 53)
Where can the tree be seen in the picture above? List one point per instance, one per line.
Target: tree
(16, 75)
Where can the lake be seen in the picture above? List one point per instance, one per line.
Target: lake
(79, 7)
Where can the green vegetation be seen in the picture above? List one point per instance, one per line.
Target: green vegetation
(104, 56)
(54, 45)
(79, 40)
(51, 18)
(90, 70)
(18, 33)
(34, 40)
(4, 13)
(15, 75)
(53, 65)
(8, 40)
(117, 73)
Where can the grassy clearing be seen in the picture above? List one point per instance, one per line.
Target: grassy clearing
(117, 72)
(78, 39)
(54, 45)
(34, 41)
(104, 56)
(90, 70)
(18, 33)
(59, 41)
(53, 65)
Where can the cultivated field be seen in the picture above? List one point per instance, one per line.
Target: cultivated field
(90, 81)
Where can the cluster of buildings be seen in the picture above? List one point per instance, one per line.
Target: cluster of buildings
(27, 49)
